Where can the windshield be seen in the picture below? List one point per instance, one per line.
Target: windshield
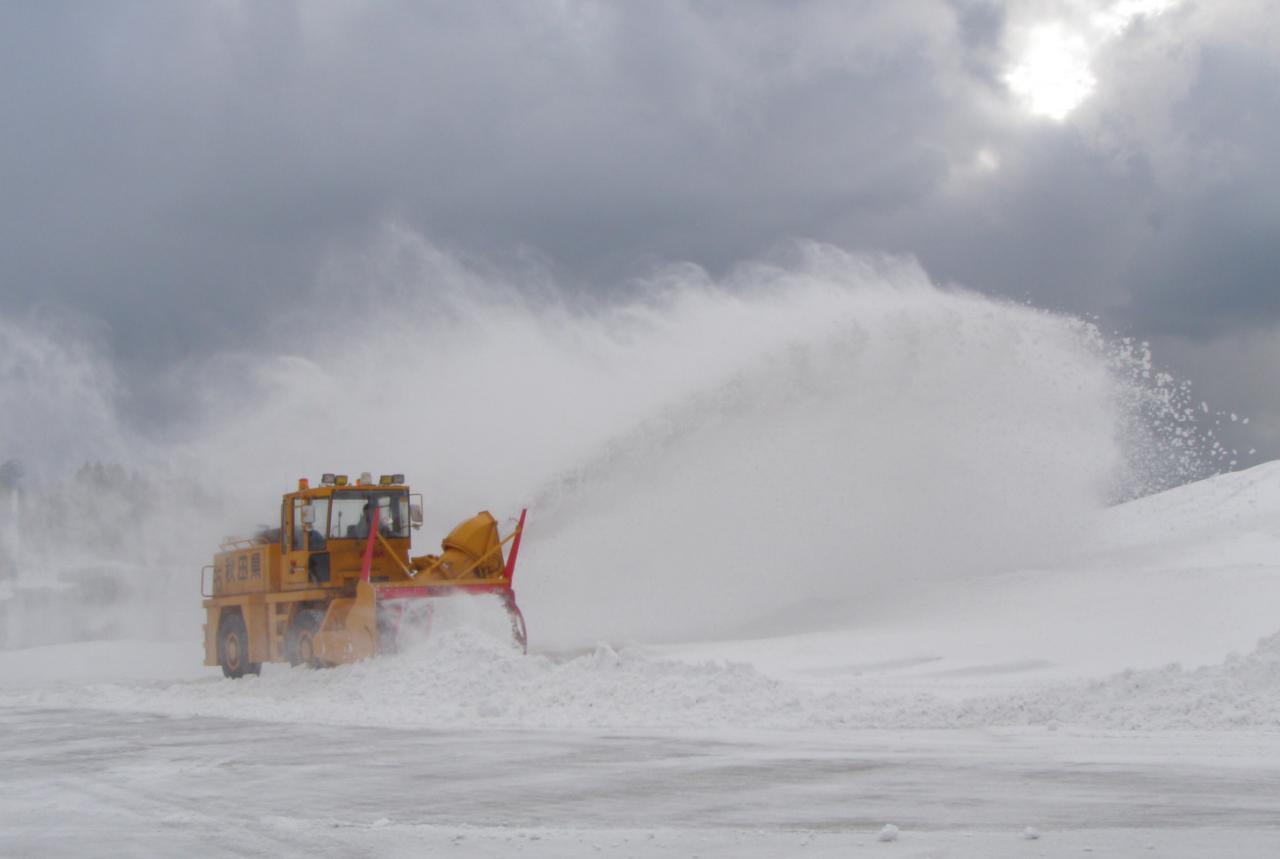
(350, 520)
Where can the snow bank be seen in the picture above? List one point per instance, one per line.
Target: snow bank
(1242, 692)
(463, 678)
(1231, 511)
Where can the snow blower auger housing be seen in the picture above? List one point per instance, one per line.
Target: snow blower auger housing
(334, 582)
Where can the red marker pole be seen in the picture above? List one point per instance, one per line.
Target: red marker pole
(366, 566)
(515, 547)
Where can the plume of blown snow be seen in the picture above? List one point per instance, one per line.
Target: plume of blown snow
(821, 429)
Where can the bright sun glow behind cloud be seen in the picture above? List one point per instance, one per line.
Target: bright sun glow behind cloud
(1051, 73)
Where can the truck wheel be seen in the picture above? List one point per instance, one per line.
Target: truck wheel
(299, 642)
(233, 648)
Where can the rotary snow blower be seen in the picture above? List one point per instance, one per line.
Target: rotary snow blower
(334, 583)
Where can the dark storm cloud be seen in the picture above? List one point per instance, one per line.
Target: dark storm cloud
(1211, 262)
(180, 171)
(169, 155)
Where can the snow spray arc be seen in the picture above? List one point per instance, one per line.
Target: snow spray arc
(699, 453)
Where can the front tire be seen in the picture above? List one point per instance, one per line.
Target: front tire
(300, 642)
(233, 648)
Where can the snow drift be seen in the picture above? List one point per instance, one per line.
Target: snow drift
(466, 679)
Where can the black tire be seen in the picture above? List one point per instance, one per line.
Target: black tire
(233, 647)
(299, 641)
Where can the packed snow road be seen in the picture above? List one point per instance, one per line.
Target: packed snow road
(84, 782)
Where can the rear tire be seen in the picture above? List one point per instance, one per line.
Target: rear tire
(233, 648)
(299, 642)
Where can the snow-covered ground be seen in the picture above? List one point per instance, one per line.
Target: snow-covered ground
(1125, 701)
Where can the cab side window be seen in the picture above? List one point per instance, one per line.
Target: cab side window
(319, 523)
(298, 532)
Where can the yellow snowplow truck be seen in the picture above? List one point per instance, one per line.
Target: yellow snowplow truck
(335, 581)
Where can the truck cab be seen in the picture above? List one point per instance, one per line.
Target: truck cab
(323, 532)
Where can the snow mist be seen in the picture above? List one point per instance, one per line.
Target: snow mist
(786, 447)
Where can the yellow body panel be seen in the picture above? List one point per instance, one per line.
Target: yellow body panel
(350, 630)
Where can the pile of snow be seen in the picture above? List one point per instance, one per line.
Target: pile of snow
(1242, 692)
(464, 678)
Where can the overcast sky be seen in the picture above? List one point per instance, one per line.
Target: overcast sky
(179, 170)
